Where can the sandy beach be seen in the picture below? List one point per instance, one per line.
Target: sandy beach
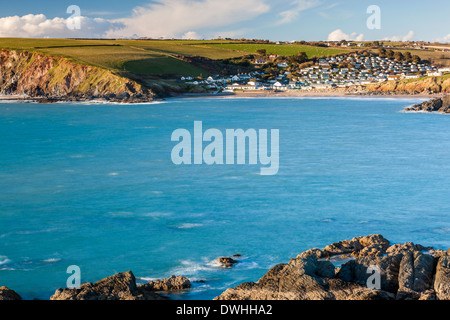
(303, 93)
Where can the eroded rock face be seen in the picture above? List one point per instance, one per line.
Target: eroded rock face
(442, 278)
(407, 271)
(172, 283)
(122, 286)
(435, 105)
(7, 294)
(52, 78)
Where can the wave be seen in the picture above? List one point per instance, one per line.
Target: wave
(189, 225)
(4, 260)
(102, 102)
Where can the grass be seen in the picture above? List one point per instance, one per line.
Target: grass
(284, 49)
(152, 57)
(146, 57)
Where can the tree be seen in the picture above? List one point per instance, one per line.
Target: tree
(299, 58)
(408, 56)
(416, 59)
(382, 52)
(262, 52)
(398, 56)
(390, 54)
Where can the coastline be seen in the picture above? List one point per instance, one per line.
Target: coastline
(338, 271)
(305, 94)
(238, 94)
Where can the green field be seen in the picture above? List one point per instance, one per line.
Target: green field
(152, 57)
(282, 50)
(146, 57)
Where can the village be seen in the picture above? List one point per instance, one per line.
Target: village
(345, 70)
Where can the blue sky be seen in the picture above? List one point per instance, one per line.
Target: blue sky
(264, 19)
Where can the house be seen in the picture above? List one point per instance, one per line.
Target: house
(260, 62)
(283, 65)
(434, 73)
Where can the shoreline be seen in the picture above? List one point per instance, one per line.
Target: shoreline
(304, 94)
(338, 271)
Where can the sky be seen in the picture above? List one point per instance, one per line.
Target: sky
(284, 20)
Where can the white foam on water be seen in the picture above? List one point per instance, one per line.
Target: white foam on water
(4, 260)
(189, 268)
(189, 225)
(52, 260)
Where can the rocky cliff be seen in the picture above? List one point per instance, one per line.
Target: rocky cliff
(428, 85)
(441, 105)
(40, 76)
(407, 272)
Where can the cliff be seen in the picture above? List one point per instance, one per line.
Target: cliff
(436, 105)
(426, 85)
(53, 78)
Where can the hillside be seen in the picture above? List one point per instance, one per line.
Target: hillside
(37, 75)
(414, 86)
(153, 57)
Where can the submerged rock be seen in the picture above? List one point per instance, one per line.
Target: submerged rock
(7, 294)
(226, 262)
(122, 286)
(407, 271)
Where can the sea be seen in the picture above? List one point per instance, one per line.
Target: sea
(93, 185)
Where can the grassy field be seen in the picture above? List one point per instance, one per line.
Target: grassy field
(284, 49)
(146, 57)
(153, 57)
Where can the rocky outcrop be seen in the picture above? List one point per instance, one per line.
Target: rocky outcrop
(442, 278)
(441, 105)
(7, 294)
(40, 76)
(122, 286)
(226, 262)
(406, 272)
(427, 85)
(172, 283)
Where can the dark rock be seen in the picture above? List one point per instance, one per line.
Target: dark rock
(359, 246)
(7, 294)
(434, 105)
(442, 278)
(172, 283)
(406, 273)
(303, 278)
(121, 286)
(226, 262)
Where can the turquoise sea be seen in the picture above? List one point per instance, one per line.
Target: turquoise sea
(93, 185)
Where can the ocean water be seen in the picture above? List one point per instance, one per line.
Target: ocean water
(93, 185)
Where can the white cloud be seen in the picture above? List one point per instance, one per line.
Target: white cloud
(338, 35)
(174, 18)
(407, 37)
(191, 35)
(39, 26)
(298, 6)
(445, 39)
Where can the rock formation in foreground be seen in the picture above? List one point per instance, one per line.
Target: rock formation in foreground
(407, 272)
(53, 78)
(122, 286)
(7, 294)
(441, 105)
